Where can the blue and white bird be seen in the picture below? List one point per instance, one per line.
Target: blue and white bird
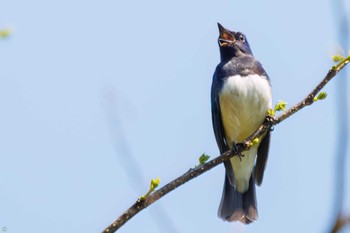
(241, 95)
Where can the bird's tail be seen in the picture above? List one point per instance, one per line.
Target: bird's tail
(235, 206)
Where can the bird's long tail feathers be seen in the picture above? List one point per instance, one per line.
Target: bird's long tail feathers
(235, 206)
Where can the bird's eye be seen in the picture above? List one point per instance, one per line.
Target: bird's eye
(241, 38)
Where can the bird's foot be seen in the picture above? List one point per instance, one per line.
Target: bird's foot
(271, 121)
(237, 150)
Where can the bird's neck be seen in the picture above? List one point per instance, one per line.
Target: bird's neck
(227, 53)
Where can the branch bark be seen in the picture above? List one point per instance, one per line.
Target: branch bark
(340, 223)
(192, 173)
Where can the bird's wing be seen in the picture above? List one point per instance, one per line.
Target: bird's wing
(216, 114)
(217, 122)
(263, 152)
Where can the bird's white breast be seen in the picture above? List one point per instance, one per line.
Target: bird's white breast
(244, 102)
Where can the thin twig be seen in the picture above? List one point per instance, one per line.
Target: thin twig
(341, 146)
(192, 173)
(130, 163)
(340, 223)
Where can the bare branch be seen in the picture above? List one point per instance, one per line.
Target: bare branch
(192, 173)
(341, 222)
(342, 122)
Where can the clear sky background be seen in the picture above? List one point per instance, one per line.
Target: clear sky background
(89, 87)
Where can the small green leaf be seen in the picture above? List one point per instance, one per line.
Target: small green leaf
(155, 183)
(4, 33)
(203, 158)
(280, 106)
(337, 58)
(271, 112)
(322, 95)
(256, 141)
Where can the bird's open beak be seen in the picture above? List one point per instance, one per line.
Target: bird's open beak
(225, 37)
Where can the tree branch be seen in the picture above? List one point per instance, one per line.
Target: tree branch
(340, 223)
(342, 123)
(192, 173)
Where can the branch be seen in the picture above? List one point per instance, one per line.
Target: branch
(128, 160)
(340, 223)
(192, 173)
(342, 122)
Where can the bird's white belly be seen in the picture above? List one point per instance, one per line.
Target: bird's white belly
(244, 102)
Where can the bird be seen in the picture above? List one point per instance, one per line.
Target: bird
(241, 96)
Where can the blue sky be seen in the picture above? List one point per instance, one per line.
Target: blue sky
(87, 85)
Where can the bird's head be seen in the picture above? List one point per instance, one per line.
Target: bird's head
(232, 44)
